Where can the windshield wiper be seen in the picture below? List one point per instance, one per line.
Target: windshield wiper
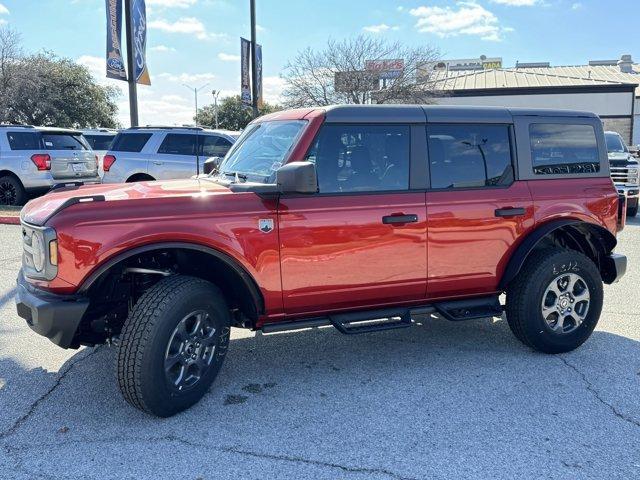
(236, 175)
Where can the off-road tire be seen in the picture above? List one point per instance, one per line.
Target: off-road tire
(15, 187)
(145, 337)
(525, 294)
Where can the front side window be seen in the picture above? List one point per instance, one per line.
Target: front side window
(178, 144)
(261, 149)
(63, 141)
(558, 149)
(24, 140)
(362, 158)
(214, 146)
(469, 155)
(130, 142)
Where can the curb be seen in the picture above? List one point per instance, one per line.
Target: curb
(9, 220)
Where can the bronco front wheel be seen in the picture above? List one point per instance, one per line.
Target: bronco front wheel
(555, 302)
(172, 345)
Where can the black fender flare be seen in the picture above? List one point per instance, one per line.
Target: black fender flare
(245, 276)
(607, 242)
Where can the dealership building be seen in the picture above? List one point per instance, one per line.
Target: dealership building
(609, 88)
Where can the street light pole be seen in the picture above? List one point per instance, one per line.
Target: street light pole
(215, 94)
(195, 96)
(254, 67)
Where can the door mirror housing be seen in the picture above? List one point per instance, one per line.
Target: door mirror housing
(211, 164)
(297, 177)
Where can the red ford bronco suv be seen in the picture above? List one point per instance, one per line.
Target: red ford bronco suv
(360, 217)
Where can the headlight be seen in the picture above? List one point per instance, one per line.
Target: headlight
(37, 252)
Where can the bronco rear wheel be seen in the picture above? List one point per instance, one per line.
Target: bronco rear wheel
(172, 345)
(555, 302)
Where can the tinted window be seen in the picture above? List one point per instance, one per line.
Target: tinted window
(63, 141)
(24, 140)
(99, 142)
(178, 144)
(354, 158)
(563, 149)
(614, 143)
(465, 155)
(130, 142)
(214, 146)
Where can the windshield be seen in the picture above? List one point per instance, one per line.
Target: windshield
(99, 142)
(261, 150)
(614, 143)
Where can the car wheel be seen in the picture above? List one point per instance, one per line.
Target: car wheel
(556, 300)
(11, 191)
(172, 345)
(632, 211)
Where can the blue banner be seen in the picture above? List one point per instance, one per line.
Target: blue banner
(245, 76)
(115, 64)
(259, 74)
(139, 17)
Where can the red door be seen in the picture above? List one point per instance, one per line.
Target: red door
(350, 251)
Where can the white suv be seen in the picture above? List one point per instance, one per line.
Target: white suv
(34, 159)
(162, 153)
(100, 140)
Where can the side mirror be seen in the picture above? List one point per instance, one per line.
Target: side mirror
(297, 177)
(211, 165)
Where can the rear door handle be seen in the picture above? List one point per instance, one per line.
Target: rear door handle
(157, 163)
(390, 219)
(510, 212)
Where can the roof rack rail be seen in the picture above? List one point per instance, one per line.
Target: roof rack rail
(21, 125)
(168, 127)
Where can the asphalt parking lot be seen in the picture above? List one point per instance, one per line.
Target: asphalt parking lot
(439, 400)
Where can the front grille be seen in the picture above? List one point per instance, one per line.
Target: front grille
(622, 176)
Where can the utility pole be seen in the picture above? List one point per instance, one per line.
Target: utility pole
(131, 80)
(195, 119)
(195, 96)
(215, 94)
(254, 67)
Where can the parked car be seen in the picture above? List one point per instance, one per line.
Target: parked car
(33, 159)
(161, 153)
(100, 140)
(360, 217)
(625, 170)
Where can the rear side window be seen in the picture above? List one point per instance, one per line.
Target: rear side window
(469, 155)
(362, 158)
(63, 141)
(99, 142)
(130, 142)
(178, 144)
(24, 140)
(558, 148)
(214, 146)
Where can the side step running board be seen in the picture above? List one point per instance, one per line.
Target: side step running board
(470, 309)
(371, 321)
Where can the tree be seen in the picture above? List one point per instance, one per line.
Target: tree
(232, 114)
(312, 75)
(43, 89)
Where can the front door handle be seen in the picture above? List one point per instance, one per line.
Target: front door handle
(391, 219)
(157, 163)
(510, 212)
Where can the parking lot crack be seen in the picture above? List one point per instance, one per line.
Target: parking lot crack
(597, 395)
(34, 405)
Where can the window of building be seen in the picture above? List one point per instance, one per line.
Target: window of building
(469, 155)
(367, 158)
(558, 148)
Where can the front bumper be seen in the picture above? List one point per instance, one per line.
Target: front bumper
(614, 267)
(627, 191)
(53, 316)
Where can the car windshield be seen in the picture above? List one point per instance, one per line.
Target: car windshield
(614, 143)
(261, 150)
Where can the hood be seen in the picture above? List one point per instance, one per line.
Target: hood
(41, 209)
(619, 156)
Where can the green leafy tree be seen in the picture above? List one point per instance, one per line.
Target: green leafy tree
(232, 114)
(43, 89)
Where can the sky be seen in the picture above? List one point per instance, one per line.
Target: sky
(196, 42)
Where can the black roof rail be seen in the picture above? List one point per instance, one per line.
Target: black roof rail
(21, 125)
(164, 127)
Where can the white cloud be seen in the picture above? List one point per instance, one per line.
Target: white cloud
(272, 88)
(188, 77)
(260, 28)
(576, 6)
(162, 48)
(3, 10)
(518, 3)
(172, 3)
(227, 57)
(466, 18)
(186, 25)
(381, 28)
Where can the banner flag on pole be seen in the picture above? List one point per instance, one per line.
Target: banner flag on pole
(245, 75)
(115, 63)
(139, 17)
(259, 75)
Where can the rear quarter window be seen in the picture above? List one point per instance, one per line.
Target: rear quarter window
(130, 142)
(24, 140)
(558, 148)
